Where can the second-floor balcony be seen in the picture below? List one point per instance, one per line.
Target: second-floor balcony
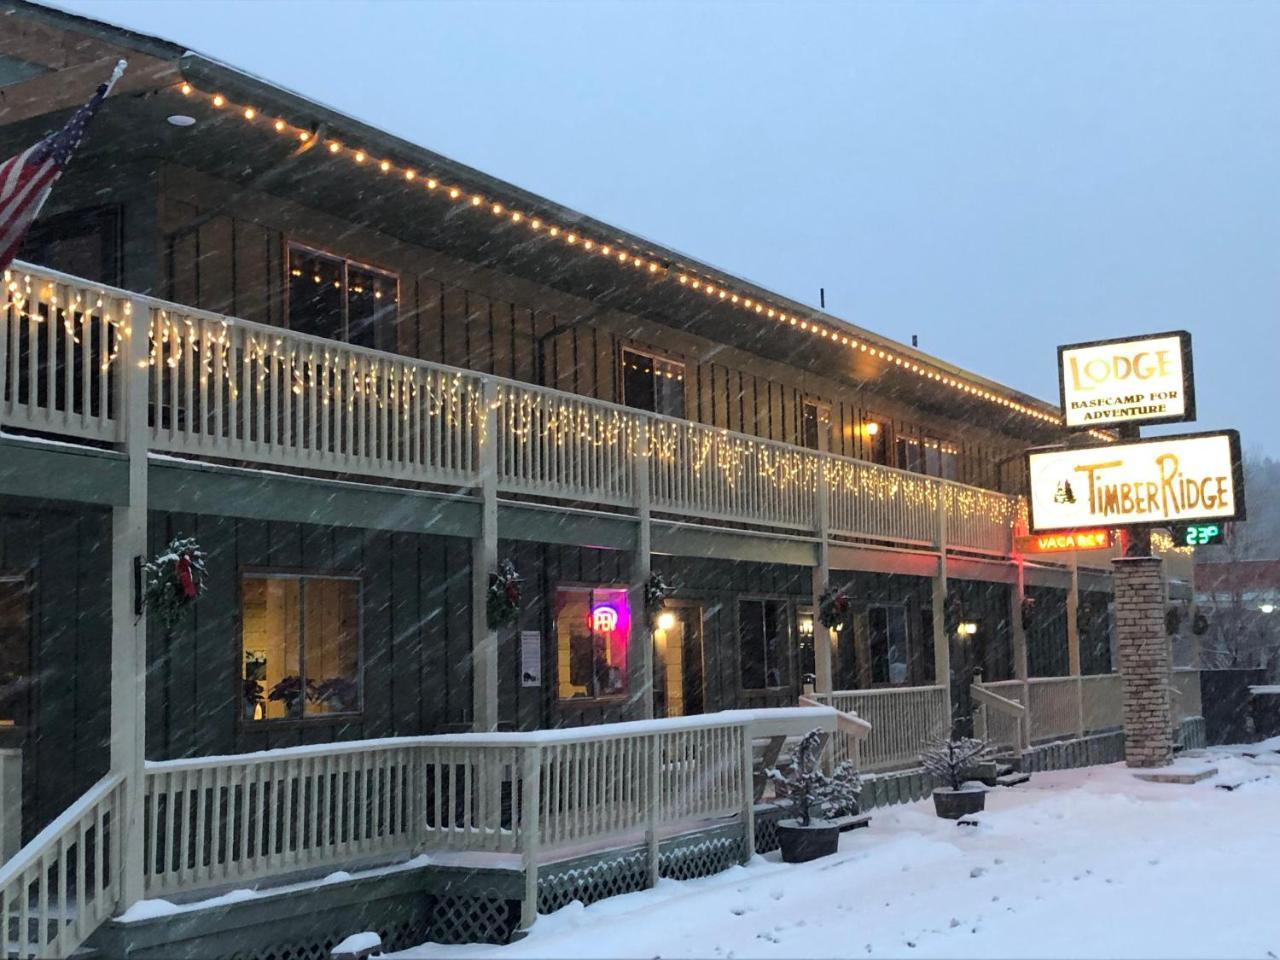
(222, 388)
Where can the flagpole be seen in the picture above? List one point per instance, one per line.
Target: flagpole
(117, 73)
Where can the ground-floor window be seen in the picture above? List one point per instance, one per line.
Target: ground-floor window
(888, 639)
(593, 627)
(300, 646)
(15, 651)
(763, 631)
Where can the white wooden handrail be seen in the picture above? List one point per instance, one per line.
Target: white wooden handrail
(222, 387)
(63, 884)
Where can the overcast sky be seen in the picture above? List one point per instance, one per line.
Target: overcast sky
(995, 177)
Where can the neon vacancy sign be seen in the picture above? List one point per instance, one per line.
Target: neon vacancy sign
(604, 618)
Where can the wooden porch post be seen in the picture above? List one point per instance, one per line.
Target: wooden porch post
(941, 637)
(640, 641)
(1073, 639)
(822, 681)
(128, 621)
(1021, 667)
(484, 562)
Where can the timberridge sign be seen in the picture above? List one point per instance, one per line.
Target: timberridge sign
(1131, 380)
(1145, 482)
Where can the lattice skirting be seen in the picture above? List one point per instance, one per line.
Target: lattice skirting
(406, 909)
(592, 878)
(615, 872)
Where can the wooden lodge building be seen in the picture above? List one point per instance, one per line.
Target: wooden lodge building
(361, 375)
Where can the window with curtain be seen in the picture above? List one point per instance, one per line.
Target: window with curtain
(763, 646)
(300, 646)
(341, 299)
(652, 383)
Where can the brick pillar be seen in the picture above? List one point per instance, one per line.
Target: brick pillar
(1144, 653)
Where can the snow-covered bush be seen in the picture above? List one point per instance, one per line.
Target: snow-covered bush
(952, 761)
(811, 790)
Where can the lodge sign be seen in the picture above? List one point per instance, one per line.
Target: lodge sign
(1132, 380)
(1158, 481)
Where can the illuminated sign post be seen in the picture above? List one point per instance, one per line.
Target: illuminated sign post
(1128, 381)
(1152, 482)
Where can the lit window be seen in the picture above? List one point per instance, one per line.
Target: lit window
(762, 644)
(341, 299)
(653, 384)
(931, 456)
(300, 646)
(593, 626)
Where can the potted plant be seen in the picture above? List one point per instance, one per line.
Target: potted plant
(289, 692)
(814, 796)
(337, 694)
(953, 763)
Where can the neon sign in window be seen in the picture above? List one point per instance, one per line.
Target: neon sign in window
(593, 627)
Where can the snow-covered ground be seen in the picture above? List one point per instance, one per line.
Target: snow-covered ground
(1083, 863)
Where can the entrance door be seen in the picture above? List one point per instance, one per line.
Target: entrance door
(15, 682)
(677, 662)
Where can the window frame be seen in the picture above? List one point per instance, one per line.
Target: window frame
(297, 573)
(658, 357)
(562, 703)
(13, 735)
(381, 337)
(788, 611)
(909, 651)
(823, 418)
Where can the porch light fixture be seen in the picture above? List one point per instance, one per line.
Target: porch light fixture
(181, 120)
(871, 428)
(666, 620)
(1267, 607)
(654, 268)
(967, 628)
(806, 627)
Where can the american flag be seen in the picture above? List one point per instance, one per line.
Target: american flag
(25, 180)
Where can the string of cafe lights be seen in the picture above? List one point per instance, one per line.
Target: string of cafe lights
(590, 246)
(202, 358)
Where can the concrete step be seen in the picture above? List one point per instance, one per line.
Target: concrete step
(1012, 778)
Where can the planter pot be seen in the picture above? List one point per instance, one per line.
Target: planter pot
(954, 804)
(801, 844)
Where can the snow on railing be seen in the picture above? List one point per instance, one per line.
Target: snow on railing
(60, 887)
(903, 720)
(244, 818)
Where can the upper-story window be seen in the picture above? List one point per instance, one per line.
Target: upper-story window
(652, 383)
(928, 455)
(341, 299)
(875, 441)
(815, 426)
(84, 243)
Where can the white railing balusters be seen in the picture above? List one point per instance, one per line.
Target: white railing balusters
(902, 720)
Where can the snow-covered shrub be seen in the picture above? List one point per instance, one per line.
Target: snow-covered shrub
(952, 761)
(811, 790)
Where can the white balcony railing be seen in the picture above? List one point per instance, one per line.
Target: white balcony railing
(903, 720)
(225, 388)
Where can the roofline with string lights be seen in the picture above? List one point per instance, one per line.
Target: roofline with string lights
(502, 201)
(225, 89)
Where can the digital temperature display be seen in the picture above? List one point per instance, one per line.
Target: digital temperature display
(1198, 534)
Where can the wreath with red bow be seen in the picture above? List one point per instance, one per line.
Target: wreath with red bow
(503, 602)
(174, 580)
(833, 607)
